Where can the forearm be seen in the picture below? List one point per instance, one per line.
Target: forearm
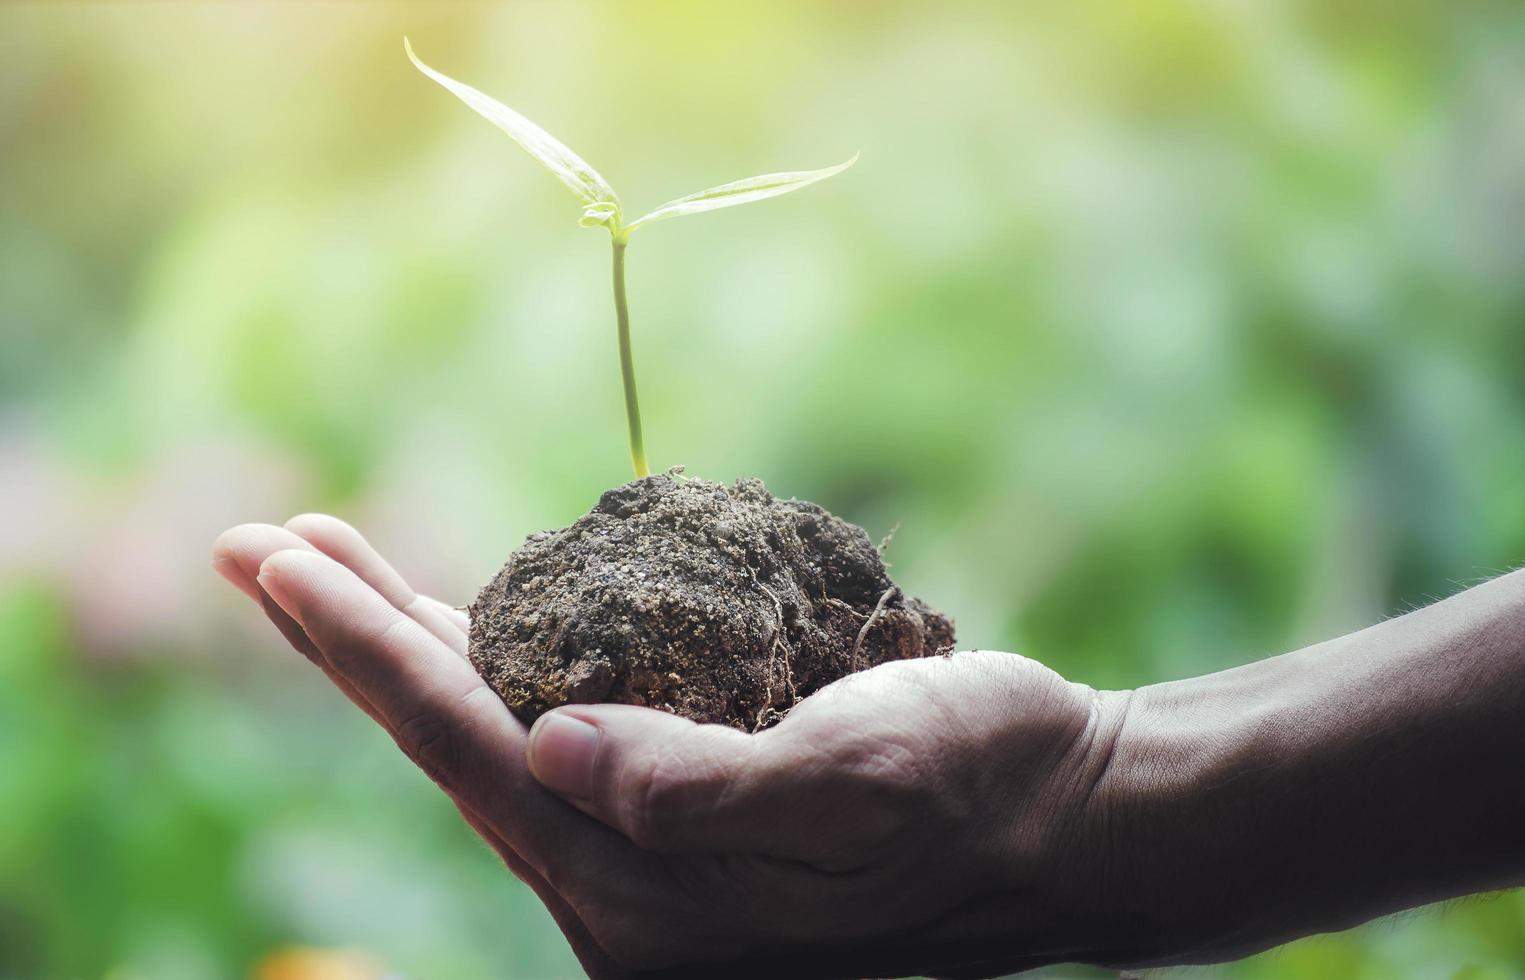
(1313, 791)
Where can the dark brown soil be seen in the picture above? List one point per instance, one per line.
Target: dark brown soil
(721, 604)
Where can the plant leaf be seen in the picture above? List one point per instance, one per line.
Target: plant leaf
(740, 192)
(567, 166)
(599, 214)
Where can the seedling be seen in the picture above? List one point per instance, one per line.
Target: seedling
(711, 602)
(601, 208)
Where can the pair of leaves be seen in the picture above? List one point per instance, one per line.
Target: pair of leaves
(601, 206)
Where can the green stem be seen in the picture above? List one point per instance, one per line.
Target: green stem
(627, 364)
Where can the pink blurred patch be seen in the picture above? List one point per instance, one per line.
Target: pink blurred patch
(144, 579)
(131, 554)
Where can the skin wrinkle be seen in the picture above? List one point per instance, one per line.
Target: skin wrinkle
(656, 794)
(732, 788)
(1061, 811)
(422, 736)
(766, 920)
(1097, 811)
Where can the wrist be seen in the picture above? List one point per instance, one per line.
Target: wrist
(1067, 842)
(1316, 790)
(1183, 843)
(1028, 851)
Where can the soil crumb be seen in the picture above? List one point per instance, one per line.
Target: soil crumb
(722, 604)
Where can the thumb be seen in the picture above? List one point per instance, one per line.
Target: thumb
(668, 783)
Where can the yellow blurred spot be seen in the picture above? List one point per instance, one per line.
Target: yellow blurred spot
(304, 963)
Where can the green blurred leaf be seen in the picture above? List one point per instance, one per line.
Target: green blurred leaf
(741, 192)
(567, 166)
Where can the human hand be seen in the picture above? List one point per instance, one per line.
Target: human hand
(928, 816)
(961, 815)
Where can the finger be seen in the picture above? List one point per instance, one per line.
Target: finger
(237, 552)
(411, 677)
(440, 711)
(785, 837)
(347, 546)
(671, 785)
(237, 555)
(461, 734)
(458, 616)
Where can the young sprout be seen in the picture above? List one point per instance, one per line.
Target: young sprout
(601, 207)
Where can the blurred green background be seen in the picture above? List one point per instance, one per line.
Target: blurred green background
(1171, 333)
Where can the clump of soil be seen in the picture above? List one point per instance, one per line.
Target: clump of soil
(721, 604)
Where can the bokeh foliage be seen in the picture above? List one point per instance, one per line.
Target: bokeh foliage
(1171, 333)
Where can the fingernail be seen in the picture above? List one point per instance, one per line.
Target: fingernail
(273, 588)
(562, 750)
